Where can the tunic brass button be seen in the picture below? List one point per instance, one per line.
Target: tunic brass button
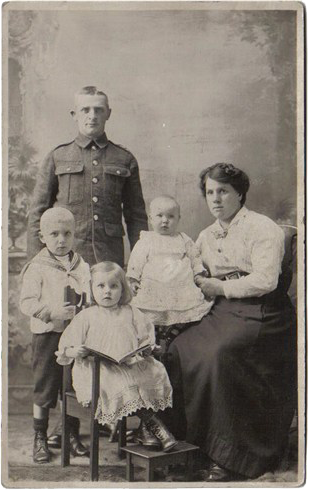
(95, 163)
(95, 217)
(95, 180)
(68, 169)
(93, 147)
(95, 199)
(118, 172)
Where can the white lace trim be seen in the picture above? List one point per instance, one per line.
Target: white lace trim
(173, 317)
(131, 407)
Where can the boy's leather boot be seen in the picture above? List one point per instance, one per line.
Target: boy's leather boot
(54, 440)
(76, 447)
(145, 437)
(40, 448)
(159, 430)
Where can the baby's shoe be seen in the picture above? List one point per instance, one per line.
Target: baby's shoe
(145, 437)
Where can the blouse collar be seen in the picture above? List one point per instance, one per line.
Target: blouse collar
(217, 228)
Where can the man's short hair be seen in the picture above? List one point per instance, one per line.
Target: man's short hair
(91, 90)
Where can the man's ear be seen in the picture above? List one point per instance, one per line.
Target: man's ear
(42, 238)
(110, 112)
(73, 114)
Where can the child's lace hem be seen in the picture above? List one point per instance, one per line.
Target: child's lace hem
(172, 317)
(131, 407)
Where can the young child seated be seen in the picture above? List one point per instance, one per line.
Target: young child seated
(163, 270)
(112, 326)
(54, 270)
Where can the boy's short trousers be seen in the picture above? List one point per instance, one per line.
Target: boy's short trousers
(46, 371)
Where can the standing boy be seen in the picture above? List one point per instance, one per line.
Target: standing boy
(52, 272)
(96, 180)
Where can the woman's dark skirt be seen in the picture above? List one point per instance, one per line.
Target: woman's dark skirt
(234, 380)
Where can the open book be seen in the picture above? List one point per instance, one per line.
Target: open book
(117, 360)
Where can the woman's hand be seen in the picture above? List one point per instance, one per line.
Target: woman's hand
(147, 352)
(79, 351)
(134, 285)
(211, 287)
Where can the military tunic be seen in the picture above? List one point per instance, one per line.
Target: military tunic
(99, 183)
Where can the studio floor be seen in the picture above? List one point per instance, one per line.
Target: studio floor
(22, 472)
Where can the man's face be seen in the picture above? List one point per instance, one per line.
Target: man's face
(58, 237)
(91, 114)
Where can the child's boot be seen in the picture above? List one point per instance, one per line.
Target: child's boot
(76, 447)
(40, 448)
(54, 439)
(145, 437)
(159, 430)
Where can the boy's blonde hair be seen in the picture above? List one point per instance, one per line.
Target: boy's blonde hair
(58, 214)
(108, 267)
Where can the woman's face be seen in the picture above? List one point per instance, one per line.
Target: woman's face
(222, 199)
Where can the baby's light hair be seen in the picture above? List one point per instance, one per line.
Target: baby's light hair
(111, 267)
(167, 198)
(56, 214)
(90, 90)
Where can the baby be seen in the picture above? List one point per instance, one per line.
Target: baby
(164, 268)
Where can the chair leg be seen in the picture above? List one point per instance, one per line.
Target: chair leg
(122, 439)
(65, 438)
(94, 450)
(94, 426)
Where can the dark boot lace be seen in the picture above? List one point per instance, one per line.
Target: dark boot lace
(41, 441)
(158, 431)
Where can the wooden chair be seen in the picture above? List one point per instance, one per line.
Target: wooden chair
(71, 407)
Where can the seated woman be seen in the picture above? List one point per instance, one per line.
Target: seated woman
(233, 373)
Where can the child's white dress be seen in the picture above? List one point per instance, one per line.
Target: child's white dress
(140, 383)
(165, 267)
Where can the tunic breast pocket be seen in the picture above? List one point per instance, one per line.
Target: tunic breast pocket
(114, 179)
(71, 178)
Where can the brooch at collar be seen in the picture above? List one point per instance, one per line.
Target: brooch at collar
(220, 234)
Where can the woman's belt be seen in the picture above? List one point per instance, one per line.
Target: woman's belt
(233, 275)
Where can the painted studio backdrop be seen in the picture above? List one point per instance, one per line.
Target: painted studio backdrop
(187, 88)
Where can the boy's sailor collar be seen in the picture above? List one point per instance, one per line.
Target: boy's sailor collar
(84, 141)
(47, 258)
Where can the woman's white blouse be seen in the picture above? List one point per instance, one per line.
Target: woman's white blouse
(254, 244)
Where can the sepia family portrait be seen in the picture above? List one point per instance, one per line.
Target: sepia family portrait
(153, 244)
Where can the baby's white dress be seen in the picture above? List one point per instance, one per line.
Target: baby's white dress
(140, 383)
(165, 267)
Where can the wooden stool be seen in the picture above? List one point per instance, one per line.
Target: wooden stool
(150, 459)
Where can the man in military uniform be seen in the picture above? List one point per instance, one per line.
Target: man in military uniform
(99, 183)
(97, 180)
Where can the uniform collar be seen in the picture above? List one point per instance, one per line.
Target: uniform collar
(84, 141)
